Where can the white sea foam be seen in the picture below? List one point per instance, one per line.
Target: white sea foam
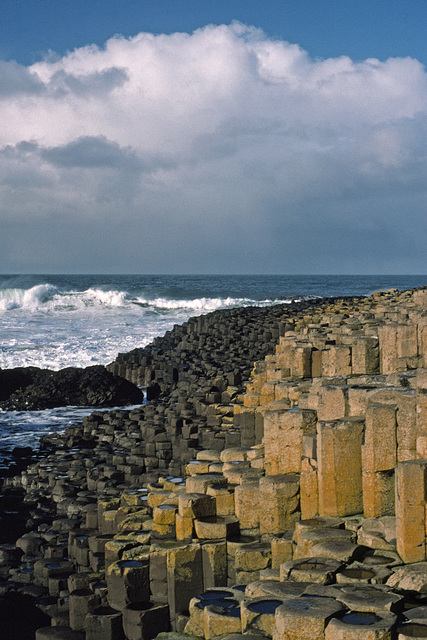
(201, 305)
(58, 326)
(48, 298)
(108, 298)
(49, 328)
(30, 299)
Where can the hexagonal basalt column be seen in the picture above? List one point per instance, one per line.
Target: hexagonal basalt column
(224, 499)
(49, 567)
(216, 527)
(184, 576)
(145, 620)
(359, 573)
(411, 478)
(259, 614)
(164, 521)
(82, 602)
(234, 543)
(275, 590)
(199, 483)
(318, 570)
(379, 456)
(283, 434)
(134, 497)
(304, 618)
(104, 623)
(115, 548)
(368, 598)
(196, 505)
(339, 466)
(222, 619)
(198, 604)
(359, 625)
(214, 561)
(278, 503)
(127, 582)
(312, 536)
(246, 504)
(250, 559)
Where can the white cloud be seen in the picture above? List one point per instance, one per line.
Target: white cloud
(209, 148)
(16, 79)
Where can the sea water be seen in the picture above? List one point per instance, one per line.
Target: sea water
(57, 321)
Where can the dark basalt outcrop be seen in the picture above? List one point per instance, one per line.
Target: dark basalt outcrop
(30, 388)
(13, 379)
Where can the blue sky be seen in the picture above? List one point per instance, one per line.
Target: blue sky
(213, 137)
(358, 28)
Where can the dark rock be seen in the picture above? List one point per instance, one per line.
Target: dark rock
(13, 514)
(153, 391)
(45, 389)
(13, 379)
(22, 452)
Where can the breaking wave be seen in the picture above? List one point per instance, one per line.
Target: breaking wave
(32, 298)
(62, 321)
(47, 298)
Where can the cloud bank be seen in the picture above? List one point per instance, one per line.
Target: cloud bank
(217, 151)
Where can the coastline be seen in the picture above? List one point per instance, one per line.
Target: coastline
(113, 472)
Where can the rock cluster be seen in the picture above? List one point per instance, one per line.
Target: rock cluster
(292, 509)
(216, 349)
(31, 388)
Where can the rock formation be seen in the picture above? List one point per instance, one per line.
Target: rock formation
(31, 388)
(293, 508)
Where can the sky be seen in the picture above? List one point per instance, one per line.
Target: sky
(213, 137)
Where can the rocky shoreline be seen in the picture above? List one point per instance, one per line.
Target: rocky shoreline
(32, 389)
(272, 486)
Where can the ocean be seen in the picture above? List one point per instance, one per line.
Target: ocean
(56, 321)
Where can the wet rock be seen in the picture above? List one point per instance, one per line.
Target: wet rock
(13, 379)
(43, 389)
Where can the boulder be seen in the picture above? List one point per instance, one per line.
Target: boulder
(30, 388)
(13, 379)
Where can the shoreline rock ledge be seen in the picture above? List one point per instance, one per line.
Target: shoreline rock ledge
(291, 505)
(32, 389)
